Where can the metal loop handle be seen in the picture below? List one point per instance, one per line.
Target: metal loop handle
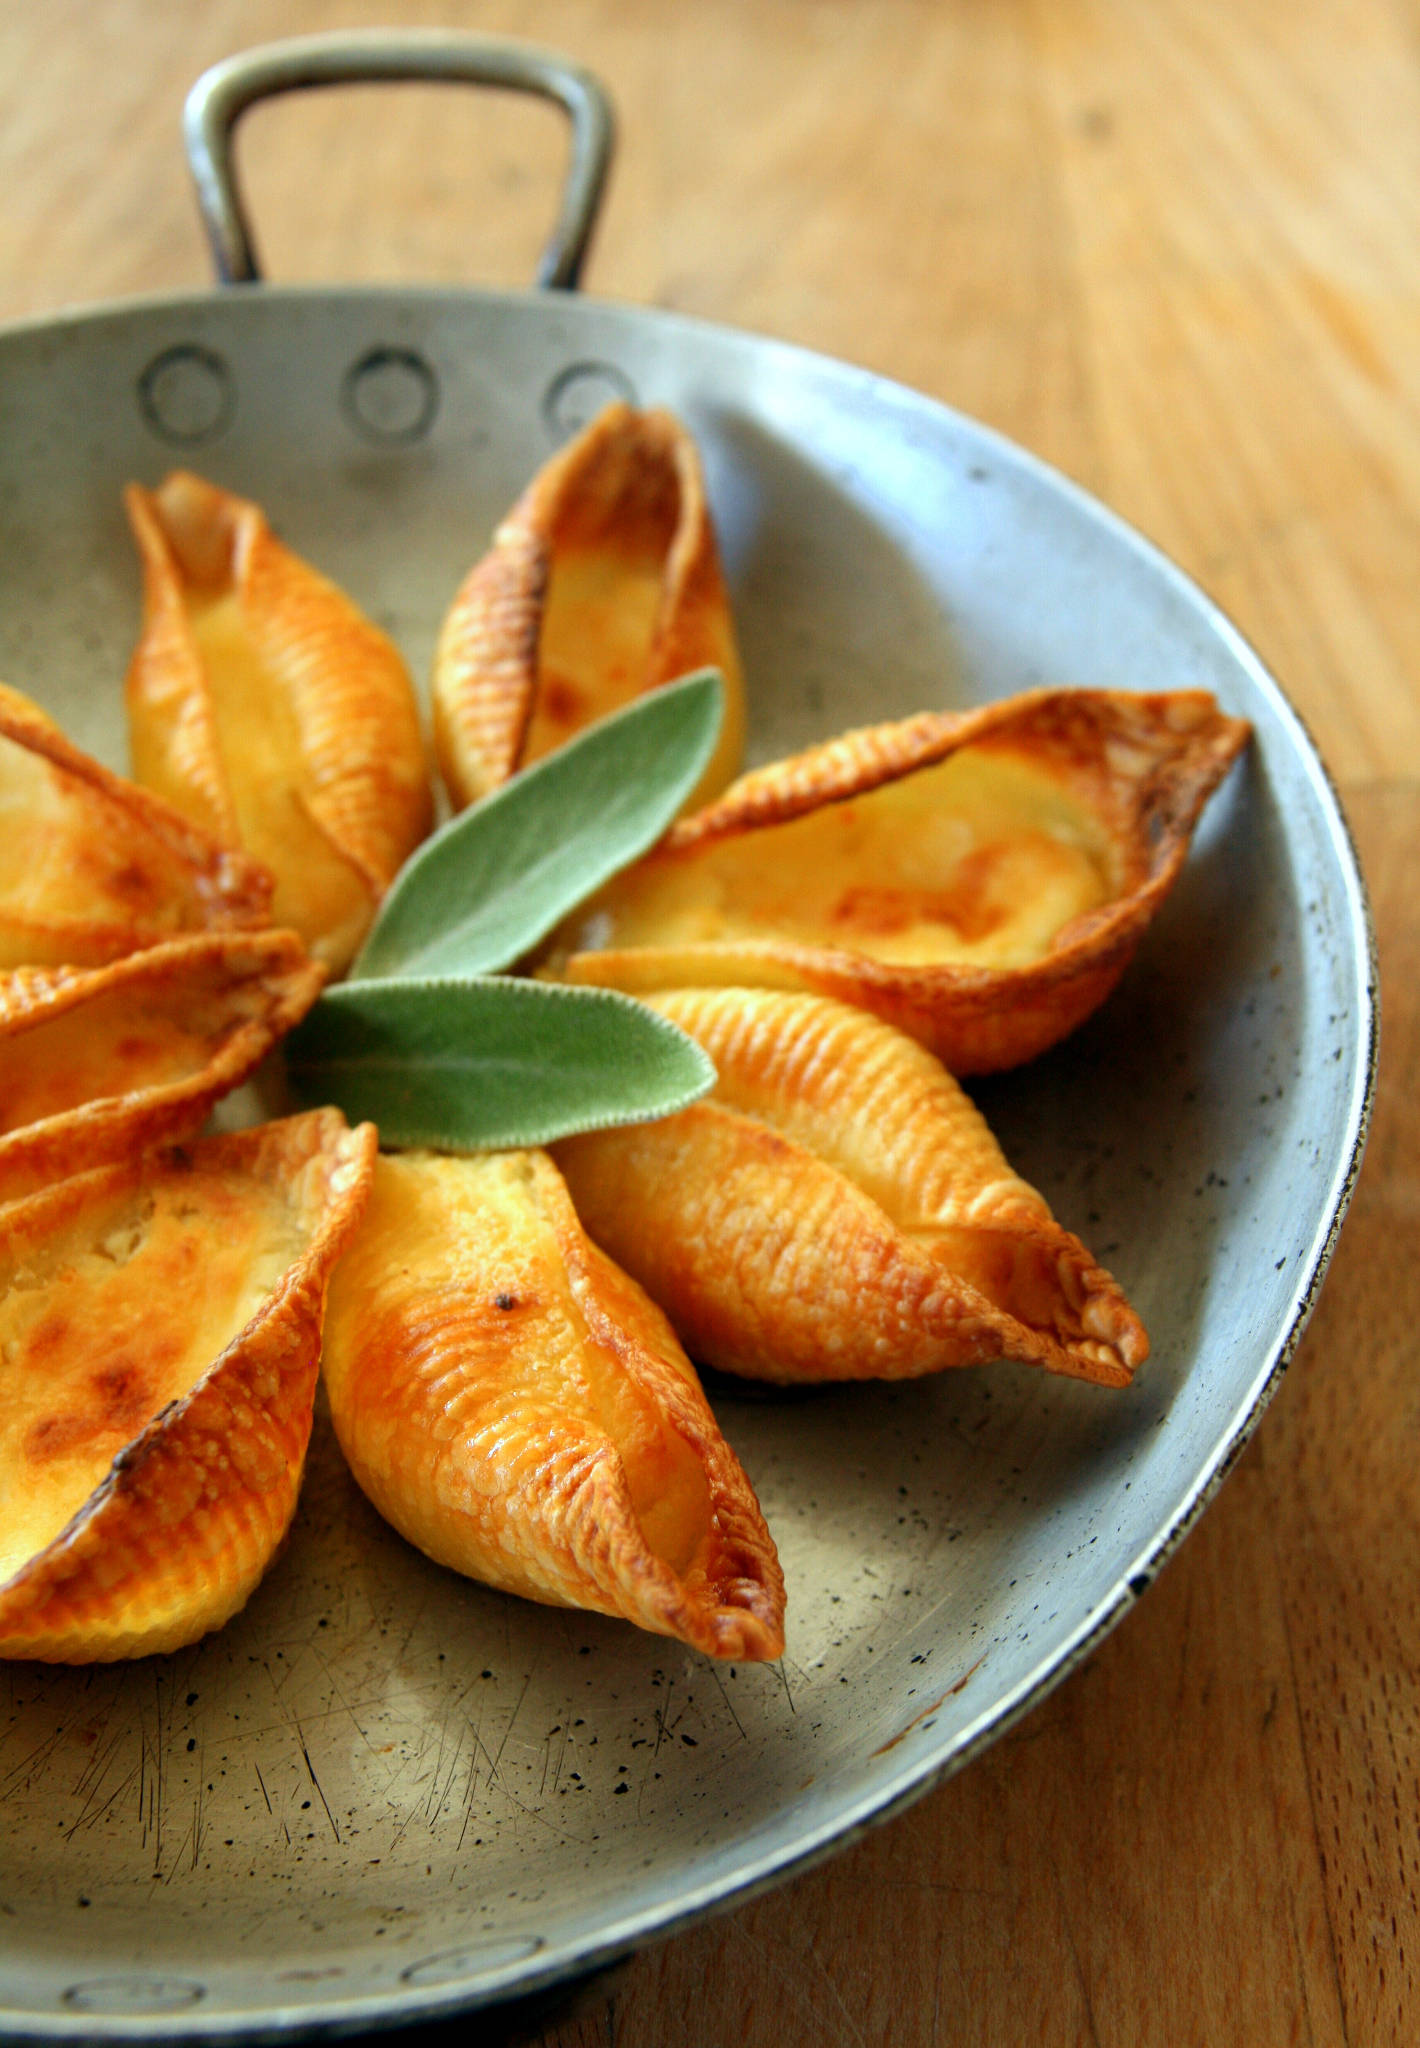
(223, 94)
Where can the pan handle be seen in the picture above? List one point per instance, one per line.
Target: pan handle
(223, 94)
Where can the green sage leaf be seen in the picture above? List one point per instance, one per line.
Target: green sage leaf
(479, 1064)
(496, 879)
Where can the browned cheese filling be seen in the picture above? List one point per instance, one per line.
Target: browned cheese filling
(107, 1321)
(981, 860)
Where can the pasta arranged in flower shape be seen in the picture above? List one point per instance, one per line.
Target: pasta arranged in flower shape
(510, 1333)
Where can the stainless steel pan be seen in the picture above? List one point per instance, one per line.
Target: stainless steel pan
(383, 1793)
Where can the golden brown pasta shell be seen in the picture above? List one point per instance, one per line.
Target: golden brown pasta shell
(518, 1409)
(93, 867)
(838, 1210)
(270, 710)
(980, 879)
(159, 1340)
(98, 1063)
(603, 582)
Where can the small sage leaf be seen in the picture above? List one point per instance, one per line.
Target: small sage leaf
(481, 1064)
(496, 879)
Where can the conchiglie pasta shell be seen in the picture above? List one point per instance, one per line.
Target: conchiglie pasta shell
(838, 1209)
(603, 582)
(271, 711)
(93, 867)
(98, 1063)
(516, 1407)
(159, 1342)
(980, 879)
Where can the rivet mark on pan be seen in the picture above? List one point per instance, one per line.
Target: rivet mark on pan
(187, 395)
(577, 394)
(472, 1961)
(132, 1994)
(390, 396)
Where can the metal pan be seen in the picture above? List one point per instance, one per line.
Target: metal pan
(383, 1794)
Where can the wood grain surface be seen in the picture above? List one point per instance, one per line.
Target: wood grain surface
(1171, 245)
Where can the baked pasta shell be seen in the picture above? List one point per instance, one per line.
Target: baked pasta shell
(516, 1407)
(838, 1209)
(159, 1342)
(98, 1063)
(980, 879)
(93, 867)
(267, 708)
(603, 582)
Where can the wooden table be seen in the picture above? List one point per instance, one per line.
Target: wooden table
(1171, 246)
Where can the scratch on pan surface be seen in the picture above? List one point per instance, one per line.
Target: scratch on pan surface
(305, 1752)
(665, 1726)
(729, 1703)
(950, 1693)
